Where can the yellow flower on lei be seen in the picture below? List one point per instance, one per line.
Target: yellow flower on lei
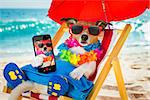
(74, 59)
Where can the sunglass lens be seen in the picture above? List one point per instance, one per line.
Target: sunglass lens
(41, 45)
(76, 29)
(49, 44)
(94, 30)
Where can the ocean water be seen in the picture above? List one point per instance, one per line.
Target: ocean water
(18, 26)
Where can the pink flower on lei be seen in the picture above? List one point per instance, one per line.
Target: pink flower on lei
(71, 42)
(39, 52)
(99, 53)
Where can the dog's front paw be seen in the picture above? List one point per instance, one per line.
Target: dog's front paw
(77, 73)
(91, 67)
(38, 61)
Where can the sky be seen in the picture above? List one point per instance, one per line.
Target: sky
(25, 3)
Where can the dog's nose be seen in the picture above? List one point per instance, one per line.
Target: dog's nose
(45, 48)
(84, 37)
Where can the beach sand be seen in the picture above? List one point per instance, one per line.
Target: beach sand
(135, 65)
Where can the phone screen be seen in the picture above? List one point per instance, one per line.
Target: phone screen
(43, 46)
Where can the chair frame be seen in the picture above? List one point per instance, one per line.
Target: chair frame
(112, 61)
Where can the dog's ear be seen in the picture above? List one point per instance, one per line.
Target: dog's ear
(69, 20)
(102, 24)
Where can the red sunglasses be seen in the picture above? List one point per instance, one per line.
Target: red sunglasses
(77, 29)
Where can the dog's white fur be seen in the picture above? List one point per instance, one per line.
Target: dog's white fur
(16, 92)
(26, 86)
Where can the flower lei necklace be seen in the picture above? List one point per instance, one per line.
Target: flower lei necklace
(93, 52)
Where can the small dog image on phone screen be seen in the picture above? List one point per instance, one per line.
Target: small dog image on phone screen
(43, 46)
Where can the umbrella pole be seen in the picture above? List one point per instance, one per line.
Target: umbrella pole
(104, 9)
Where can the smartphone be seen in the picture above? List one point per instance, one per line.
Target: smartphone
(43, 45)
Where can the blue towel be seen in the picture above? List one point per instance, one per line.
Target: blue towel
(78, 89)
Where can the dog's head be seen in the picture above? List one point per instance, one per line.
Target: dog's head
(85, 32)
(43, 46)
